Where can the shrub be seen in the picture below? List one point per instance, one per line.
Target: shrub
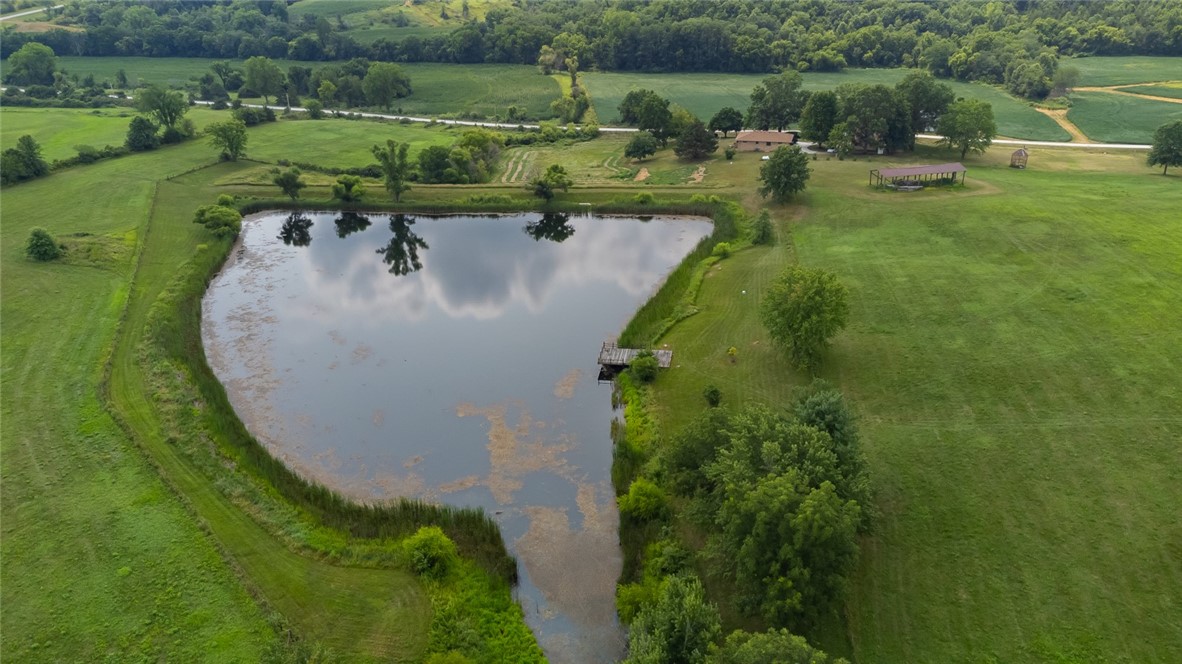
(315, 109)
(713, 395)
(722, 249)
(225, 200)
(41, 246)
(644, 501)
(223, 221)
(348, 188)
(644, 198)
(87, 154)
(432, 554)
(761, 232)
(644, 367)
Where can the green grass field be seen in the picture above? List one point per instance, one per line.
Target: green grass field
(1172, 90)
(438, 88)
(1012, 355)
(1118, 70)
(704, 94)
(1120, 118)
(60, 130)
(101, 560)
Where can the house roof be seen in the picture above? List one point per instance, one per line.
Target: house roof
(922, 170)
(766, 136)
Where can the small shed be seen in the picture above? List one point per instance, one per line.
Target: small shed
(917, 176)
(763, 141)
(1018, 159)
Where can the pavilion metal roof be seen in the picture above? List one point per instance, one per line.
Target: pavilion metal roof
(908, 171)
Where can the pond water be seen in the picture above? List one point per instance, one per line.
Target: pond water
(452, 359)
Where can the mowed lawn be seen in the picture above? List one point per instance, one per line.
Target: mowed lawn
(101, 560)
(1013, 353)
(1116, 118)
(704, 94)
(1119, 70)
(60, 131)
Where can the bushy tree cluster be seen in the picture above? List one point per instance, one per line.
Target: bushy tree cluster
(22, 162)
(471, 159)
(784, 496)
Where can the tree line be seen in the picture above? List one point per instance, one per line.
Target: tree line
(1014, 43)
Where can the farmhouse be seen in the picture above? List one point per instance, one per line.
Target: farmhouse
(763, 141)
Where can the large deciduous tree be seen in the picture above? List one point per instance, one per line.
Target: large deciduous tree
(289, 181)
(967, 125)
(726, 120)
(263, 76)
(775, 645)
(876, 117)
(166, 107)
(784, 174)
(229, 137)
(643, 144)
(695, 141)
(554, 178)
(1167, 146)
(777, 102)
(141, 135)
(385, 82)
(395, 167)
(926, 98)
(802, 310)
(23, 161)
(31, 64)
(819, 116)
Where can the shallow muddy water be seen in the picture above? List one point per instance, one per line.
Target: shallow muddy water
(453, 359)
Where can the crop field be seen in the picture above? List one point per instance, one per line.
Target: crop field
(60, 130)
(1012, 356)
(1172, 90)
(370, 20)
(704, 94)
(1120, 118)
(1120, 70)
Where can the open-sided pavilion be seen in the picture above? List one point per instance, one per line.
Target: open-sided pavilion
(918, 175)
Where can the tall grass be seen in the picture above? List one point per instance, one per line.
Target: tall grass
(174, 326)
(670, 303)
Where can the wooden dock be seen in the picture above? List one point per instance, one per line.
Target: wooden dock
(611, 355)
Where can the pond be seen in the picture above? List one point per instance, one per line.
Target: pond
(452, 359)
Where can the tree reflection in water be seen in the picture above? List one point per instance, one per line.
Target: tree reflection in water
(351, 222)
(401, 253)
(295, 231)
(552, 226)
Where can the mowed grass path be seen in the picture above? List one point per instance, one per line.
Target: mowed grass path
(1116, 118)
(704, 94)
(100, 558)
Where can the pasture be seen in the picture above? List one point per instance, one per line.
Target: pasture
(1121, 70)
(60, 130)
(1116, 118)
(1012, 356)
(704, 94)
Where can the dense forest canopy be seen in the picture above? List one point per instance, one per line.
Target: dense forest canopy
(1015, 43)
